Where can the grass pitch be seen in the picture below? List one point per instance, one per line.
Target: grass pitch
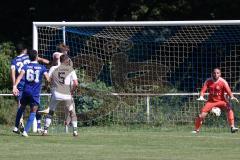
(121, 144)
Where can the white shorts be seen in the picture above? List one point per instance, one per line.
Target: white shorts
(67, 104)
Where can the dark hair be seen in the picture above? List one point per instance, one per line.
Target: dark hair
(20, 47)
(64, 58)
(62, 47)
(32, 55)
(217, 68)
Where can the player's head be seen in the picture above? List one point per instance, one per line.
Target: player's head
(33, 54)
(21, 48)
(64, 59)
(63, 48)
(216, 73)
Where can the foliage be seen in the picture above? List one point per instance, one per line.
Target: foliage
(8, 49)
(6, 53)
(92, 99)
(105, 10)
(86, 103)
(7, 110)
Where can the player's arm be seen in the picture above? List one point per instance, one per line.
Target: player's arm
(74, 82)
(202, 92)
(13, 72)
(204, 88)
(13, 75)
(50, 72)
(229, 92)
(15, 90)
(47, 77)
(43, 60)
(74, 86)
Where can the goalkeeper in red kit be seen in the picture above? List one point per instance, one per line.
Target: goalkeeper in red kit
(217, 87)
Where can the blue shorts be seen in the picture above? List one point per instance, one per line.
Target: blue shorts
(19, 95)
(28, 99)
(20, 89)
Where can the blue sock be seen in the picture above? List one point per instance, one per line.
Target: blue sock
(38, 118)
(30, 121)
(20, 112)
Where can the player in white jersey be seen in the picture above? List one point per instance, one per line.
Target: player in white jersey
(63, 83)
(61, 49)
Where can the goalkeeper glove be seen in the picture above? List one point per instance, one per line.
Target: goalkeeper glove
(234, 99)
(201, 99)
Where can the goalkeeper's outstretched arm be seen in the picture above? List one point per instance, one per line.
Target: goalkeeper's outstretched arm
(229, 92)
(203, 90)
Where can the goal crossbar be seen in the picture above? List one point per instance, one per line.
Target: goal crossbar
(139, 23)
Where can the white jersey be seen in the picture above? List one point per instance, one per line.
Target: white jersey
(62, 77)
(57, 56)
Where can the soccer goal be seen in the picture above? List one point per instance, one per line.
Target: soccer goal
(144, 72)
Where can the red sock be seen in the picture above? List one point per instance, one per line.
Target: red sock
(198, 123)
(230, 117)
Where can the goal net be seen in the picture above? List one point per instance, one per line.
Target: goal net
(144, 72)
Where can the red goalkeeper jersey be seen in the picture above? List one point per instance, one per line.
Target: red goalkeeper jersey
(216, 89)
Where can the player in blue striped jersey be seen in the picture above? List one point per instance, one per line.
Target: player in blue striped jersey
(32, 74)
(16, 65)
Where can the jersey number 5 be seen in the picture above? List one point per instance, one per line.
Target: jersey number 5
(32, 75)
(61, 77)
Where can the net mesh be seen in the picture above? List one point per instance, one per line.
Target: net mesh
(145, 60)
(179, 57)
